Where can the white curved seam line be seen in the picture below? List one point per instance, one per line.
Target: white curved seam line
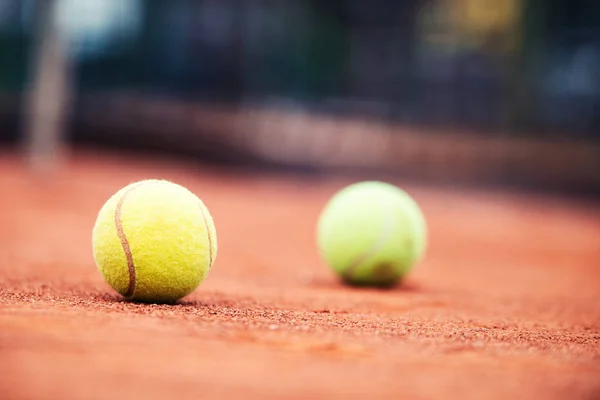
(375, 247)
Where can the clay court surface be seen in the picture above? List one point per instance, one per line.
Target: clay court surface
(505, 306)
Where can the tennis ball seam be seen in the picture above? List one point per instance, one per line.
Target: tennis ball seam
(125, 242)
(209, 237)
(353, 266)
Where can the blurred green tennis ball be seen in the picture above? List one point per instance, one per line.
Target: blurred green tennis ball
(372, 233)
(154, 241)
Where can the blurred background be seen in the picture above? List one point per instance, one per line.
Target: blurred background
(478, 92)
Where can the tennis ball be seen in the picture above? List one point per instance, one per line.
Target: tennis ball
(154, 241)
(371, 234)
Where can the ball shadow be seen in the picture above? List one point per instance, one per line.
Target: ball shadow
(115, 298)
(402, 286)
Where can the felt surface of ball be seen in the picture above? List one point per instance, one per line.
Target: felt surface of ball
(372, 233)
(154, 241)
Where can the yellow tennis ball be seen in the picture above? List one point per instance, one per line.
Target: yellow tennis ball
(154, 241)
(372, 233)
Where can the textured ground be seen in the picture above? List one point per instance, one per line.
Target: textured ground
(506, 304)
